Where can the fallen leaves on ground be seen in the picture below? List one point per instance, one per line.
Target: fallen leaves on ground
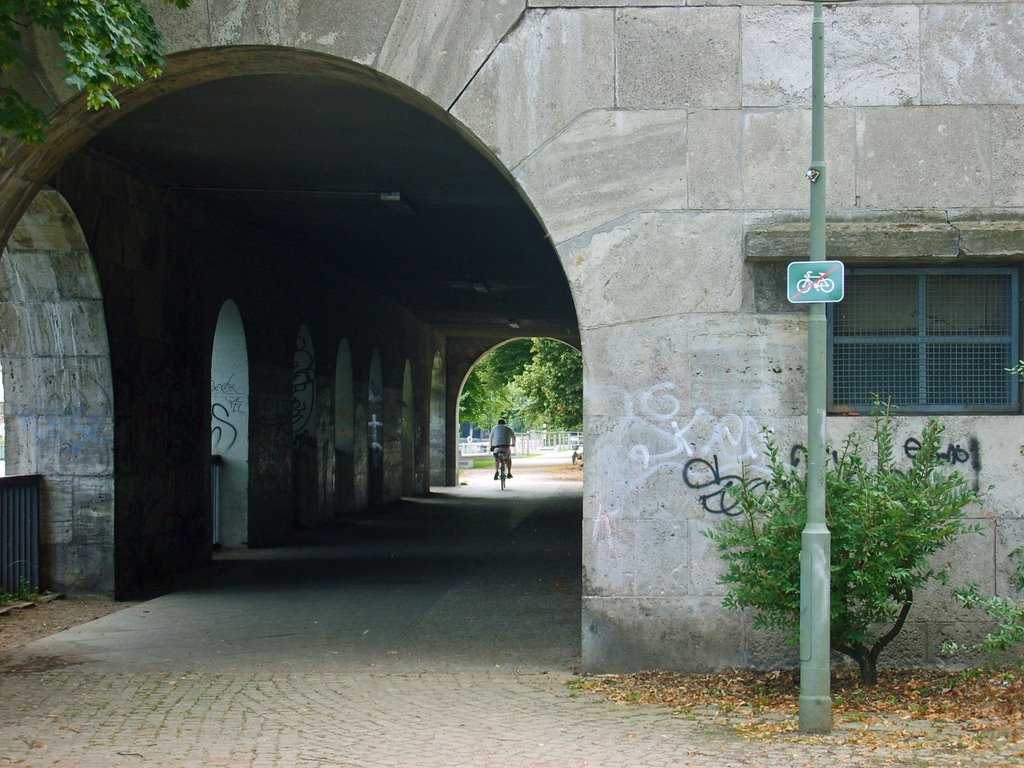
(915, 708)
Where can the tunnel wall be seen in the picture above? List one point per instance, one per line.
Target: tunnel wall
(165, 268)
(664, 147)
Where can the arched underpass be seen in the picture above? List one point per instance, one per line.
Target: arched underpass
(363, 240)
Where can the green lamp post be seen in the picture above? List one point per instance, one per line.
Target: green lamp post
(815, 554)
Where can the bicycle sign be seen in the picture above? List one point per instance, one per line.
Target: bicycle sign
(809, 282)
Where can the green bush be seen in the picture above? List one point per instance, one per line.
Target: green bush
(1007, 612)
(885, 523)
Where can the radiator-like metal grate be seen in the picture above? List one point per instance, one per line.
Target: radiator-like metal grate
(19, 533)
(930, 339)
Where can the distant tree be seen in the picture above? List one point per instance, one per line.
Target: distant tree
(107, 44)
(486, 395)
(552, 386)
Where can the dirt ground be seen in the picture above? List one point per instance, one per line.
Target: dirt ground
(21, 624)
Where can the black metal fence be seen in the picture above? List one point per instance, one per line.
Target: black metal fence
(19, 532)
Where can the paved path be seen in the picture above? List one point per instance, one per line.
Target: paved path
(444, 634)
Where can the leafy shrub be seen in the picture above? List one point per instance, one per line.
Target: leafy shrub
(885, 523)
(1009, 614)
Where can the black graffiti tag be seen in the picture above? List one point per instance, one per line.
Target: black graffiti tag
(700, 474)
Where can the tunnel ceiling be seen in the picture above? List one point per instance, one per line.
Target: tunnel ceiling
(317, 162)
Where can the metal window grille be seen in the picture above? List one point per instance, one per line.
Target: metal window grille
(928, 340)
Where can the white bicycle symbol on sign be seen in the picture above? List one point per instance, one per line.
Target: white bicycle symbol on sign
(815, 282)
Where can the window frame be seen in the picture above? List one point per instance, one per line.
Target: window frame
(921, 338)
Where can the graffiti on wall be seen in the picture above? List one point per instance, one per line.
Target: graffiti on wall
(228, 406)
(710, 452)
(714, 453)
(303, 390)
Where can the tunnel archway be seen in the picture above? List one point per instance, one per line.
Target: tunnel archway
(58, 392)
(322, 232)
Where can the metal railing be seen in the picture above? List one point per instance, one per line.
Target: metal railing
(19, 533)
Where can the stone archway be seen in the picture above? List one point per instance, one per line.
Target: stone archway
(59, 405)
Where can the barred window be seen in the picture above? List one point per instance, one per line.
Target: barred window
(928, 340)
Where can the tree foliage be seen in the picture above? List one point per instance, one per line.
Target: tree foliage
(486, 396)
(107, 44)
(552, 386)
(1006, 612)
(531, 382)
(886, 524)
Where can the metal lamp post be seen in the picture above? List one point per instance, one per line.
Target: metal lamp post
(815, 554)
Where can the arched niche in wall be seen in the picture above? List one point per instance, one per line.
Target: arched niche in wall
(344, 431)
(375, 432)
(304, 459)
(229, 429)
(58, 392)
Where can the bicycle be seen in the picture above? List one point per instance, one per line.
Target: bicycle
(499, 455)
(819, 283)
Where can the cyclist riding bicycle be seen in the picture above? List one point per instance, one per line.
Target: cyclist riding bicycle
(501, 442)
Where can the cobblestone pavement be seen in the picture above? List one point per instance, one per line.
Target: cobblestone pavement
(443, 635)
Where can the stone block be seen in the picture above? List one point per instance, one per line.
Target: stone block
(924, 157)
(553, 67)
(609, 553)
(657, 265)
(670, 58)
(181, 29)
(969, 560)
(436, 47)
(777, 151)
(625, 378)
(93, 509)
(768, 289)
(714, 175)
(756, 365)
(662, 556)
(349, 29)
(878, 241)
(76, 275)
(87, 569)
(56, 511)
(998, 239)
(27, 277)
(622, 635)
(706, 564)
(601, 3)
(970, 54)
(606, 165)
(49, 224)
(871, 59)
(14, 339)
(768, 648)
(1007, 156)
(21, 446)
(84, 443)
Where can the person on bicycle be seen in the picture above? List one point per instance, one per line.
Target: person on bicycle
(501, 442)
